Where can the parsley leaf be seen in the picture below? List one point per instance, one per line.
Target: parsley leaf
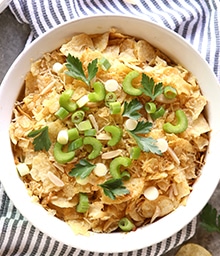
(92, 69)
(146, 144)
(150, 88)
(130, 109)
(41, 139)
(142, 127)
(82, 169)
(113, 188)
(75, 69)
(209, 219)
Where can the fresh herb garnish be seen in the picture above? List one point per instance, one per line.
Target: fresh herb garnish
(113, 188)
(41, 139)
(92, 69)
(209, 219)
(146, 144)
(82, 169)
(131, 109)
(75, 69)
(142, 127)
(150, 88)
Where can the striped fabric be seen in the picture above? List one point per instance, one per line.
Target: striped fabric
(196, 20)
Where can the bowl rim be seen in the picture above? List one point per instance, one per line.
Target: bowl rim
(4, 4)
(123, 242)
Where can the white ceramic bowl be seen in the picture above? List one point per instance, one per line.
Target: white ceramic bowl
(179, 50)
(4, 4)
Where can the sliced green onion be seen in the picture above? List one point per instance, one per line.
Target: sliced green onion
(22, 169)
(109, 98)
(57, 67)
(65, 100)
(150, 107)
(90, 132)
(170, 92)
(84, 125)
(73, 134)
(62, 113)
(116, 134)
(116, 164)
(76, 144)
(151, 193)
(130, 124)
(104, 63)
(181, 125)
(127, 84)
(125, 225)
(135, 153)
(82, 101)
(111, 85)
(78, 116)
(83, 204)
(83, 181)
(62, 137)
(100, 170)
(96, 146)
(162, 144)
(159, 113)
(60, 156)
(99, 92)
(115, 107)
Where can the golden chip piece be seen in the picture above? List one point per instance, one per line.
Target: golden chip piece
(77, 45)
(193, 250)
(101, 41)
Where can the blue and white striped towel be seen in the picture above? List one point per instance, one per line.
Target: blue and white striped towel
(196, 20)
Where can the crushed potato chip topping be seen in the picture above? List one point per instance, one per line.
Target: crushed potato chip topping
(171, 173)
